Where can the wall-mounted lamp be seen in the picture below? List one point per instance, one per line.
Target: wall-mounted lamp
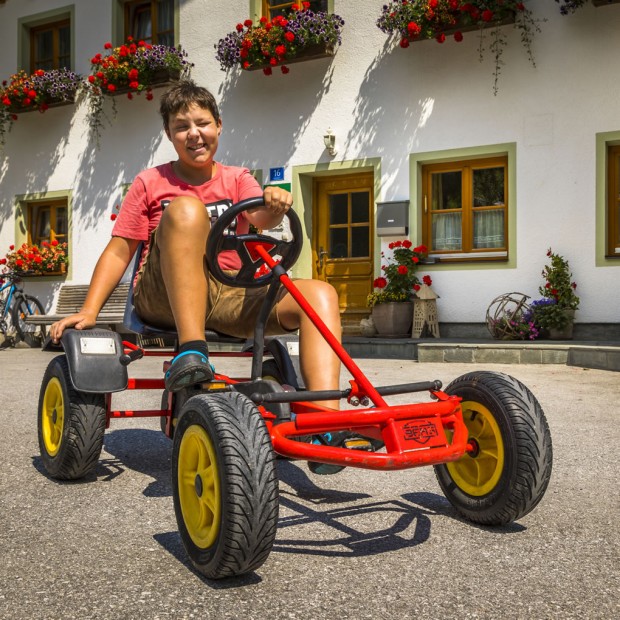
(329, 139)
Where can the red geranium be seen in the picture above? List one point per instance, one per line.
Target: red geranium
(399, 280)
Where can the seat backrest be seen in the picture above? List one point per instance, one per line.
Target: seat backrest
(131, 320)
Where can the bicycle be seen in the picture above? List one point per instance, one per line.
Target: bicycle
(15, 306)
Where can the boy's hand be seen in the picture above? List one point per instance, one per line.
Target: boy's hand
(277, 200)
(81, 320)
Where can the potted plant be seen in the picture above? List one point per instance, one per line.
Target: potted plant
(39, 91)
(555, 312)
(412, 20)
(131, 68)
(300, 35)
(30, 259)
(392, 305)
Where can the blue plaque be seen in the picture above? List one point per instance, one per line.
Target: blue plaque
(276, 174)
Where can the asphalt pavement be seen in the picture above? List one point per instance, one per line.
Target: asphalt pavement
(358, 544)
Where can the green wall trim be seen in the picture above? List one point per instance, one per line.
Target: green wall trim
(417, 160)
(303, 176)
(603, 140)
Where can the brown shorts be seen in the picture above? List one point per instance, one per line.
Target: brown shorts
(230, 310)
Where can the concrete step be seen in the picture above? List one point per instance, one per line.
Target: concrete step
(601, 355)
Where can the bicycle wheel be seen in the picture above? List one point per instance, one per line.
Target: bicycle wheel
(24, 306)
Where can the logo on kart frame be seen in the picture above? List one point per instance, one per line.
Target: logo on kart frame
(420, 432)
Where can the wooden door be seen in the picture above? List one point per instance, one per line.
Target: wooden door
(342, 244)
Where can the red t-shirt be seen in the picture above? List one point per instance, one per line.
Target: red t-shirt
(154, 188)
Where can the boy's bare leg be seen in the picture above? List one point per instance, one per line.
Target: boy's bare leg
(182, 237)
(320, 366)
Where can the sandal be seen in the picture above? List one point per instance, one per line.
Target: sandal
(187, 369)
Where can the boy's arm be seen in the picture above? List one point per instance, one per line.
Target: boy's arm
(277, 202)
(110, 268)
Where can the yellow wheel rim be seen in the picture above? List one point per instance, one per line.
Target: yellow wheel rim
(477, 473)
(52, 416)
(199, 486)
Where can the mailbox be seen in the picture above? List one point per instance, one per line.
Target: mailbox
(393, 218)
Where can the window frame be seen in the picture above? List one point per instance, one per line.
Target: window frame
(612, 246)
(156, 33)
(55, 27)
(282, 5)
(24, 224)
(257, 9)
(35, 212)
(466, 166)
(39, 21)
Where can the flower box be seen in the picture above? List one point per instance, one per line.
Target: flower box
(604, 2)
(312, 52)
(70, 100)
(299, 36)
(464, 26)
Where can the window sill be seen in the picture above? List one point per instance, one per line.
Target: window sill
(462, 257)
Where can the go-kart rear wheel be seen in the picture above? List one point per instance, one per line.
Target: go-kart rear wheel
(71, 424)
(224, 483)
(507, 474)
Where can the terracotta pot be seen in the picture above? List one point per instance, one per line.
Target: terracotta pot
(393, 319)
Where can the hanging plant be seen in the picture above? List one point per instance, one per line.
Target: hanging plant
(131, 69)
(413, 20)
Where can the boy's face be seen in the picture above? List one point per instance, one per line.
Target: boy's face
(194, 135)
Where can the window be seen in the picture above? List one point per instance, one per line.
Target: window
(271, 8)
(465, 209)
(50, 46)
(151, 21)
(613, 201)
(47, 221)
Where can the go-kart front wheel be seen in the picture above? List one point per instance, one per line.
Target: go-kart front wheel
(71, 424)
(507, 473)
(224, 484)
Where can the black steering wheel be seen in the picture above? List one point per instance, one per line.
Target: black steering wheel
(244, 245)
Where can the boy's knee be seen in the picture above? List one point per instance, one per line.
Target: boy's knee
(186, 210)
(322, 293)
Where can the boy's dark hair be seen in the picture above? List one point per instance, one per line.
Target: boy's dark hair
(181, 95)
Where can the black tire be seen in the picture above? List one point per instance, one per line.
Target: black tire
(271, 371)
(228, 526)
(71, 424)
(164, 420)
(509, 474)
(30, 333)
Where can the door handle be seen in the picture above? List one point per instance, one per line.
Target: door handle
(322, 255)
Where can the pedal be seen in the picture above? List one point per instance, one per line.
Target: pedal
(357, 443)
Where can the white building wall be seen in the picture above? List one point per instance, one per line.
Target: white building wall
(381, 102)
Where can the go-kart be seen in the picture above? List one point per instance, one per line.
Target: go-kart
(485, 434)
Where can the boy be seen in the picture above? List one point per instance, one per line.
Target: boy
(165, 207)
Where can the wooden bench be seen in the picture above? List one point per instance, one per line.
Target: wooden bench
(71, 298)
